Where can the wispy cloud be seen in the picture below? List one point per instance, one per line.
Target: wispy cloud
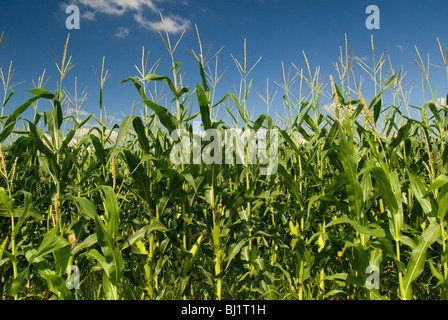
(123, 32)
(88, 15)
(173, 23)
(82, 113)
(363, 58)
(402, 48)
(117, 7)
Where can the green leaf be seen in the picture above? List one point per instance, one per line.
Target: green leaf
(375, 295)
(204, 78)
(164, 168)
(291, 184)
(311, 123)
(259, 264)
(137, 85)
(418, 257)
(6, 202)
(349, 163)
(139, 128)
(385, 188)
(86, 243)
(191, 255)
(240, 110)
(419, 190)
(441, 182)
(234, 249)
(51, 242)
(383, 88)
(379, 233)
(62, 257)
(165, 117)
(139, 175)
(32, 213)
(443, 203)
(42, 93)
(291, 143)
(11, 120)
(142, 232)
(377, 104)
(17, 282)
(99, 149)
(204, 107)
(7, 254)
(124, 129)
(111, 253)
(52, 122)
(434, 111)
(25, 210)
(402, 134)
(104, 264)
(112, 211)
(109, 288)
(259, 122)
(391, 198)
(8, 98)
(156, 77)
(346, 277)
(174, 188)
(50, 157)
(87, 207)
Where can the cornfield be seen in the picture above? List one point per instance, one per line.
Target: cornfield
(356, 208)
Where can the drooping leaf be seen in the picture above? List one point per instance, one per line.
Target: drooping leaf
(139, 175)
(419, 189)
(233, 251)
(51, 242)
(165, 117)
(142, 232)
(139, 128)
(418, 257)
(373, 232)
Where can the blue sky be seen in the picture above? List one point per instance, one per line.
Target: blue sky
(277, 31)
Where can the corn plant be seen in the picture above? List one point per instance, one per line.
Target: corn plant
(356, 208)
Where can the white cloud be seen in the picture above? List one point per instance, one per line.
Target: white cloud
(401, 47)
(88, 15)
(441, 102)
(123, 32)
(118, 7)
(174, 24)
(82, 113)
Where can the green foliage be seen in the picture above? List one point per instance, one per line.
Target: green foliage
(347, 198)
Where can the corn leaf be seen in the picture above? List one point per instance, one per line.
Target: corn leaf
(418, 257)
